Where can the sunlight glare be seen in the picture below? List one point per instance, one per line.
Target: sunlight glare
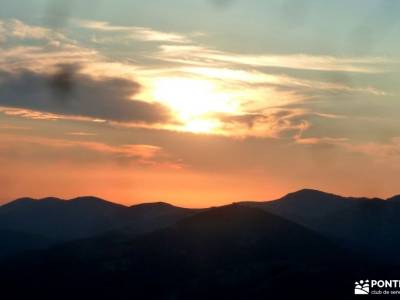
(201, 126)
(194, 101)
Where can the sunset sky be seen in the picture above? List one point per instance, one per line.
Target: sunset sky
(199, 102)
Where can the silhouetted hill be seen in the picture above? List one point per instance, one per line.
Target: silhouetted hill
(13, 242)
(235, 251)
(59, 219)
(231, 251)
(84, 217)
(370, 226)
(365, 225)
(246, 230)
(307, 204)
(21, 202)
(147, 217)
(395, 198)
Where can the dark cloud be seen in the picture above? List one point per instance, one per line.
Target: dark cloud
(62, 82)
(69, 92)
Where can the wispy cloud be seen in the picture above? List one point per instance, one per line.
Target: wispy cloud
(81, 133)
(199, 55)
(45, 58)
(390, 150)
(6, 126)
(321, 140)
(139, 33)
(19, 30)
(39, 115)
(257, 77)
(140, 153)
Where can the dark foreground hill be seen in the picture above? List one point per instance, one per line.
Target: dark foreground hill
(309, 244)
(14, 241)
(231, 251)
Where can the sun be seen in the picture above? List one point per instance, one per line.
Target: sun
(201, 126)
(195, 102)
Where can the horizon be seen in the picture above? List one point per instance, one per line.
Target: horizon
(134, 101)
(130, 204)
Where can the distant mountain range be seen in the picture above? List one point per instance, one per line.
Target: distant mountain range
(249, 250)
(367, 225)
(63, 220)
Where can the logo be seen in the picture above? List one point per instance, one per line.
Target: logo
(377, 287)
(361, 287)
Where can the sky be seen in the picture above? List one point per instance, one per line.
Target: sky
(201, 102)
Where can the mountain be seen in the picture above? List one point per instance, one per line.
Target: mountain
(307, 204)
(13, 242)
(83, 217)
(231, 251)
(309, 207)
(305, 243)
(367, 225)
(58, 219)
(358, 223)
(144, 218)
(371, 227)
(395, 198)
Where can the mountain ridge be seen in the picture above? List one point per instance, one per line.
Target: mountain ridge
(84, 216)
(244, 250)
(302, 192)
(358, 222)
(29, 200)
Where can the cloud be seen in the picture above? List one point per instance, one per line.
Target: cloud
(271, 123)
(268, 95)
(321, 140)
(199, 55)
(18, 30)
(70, 92)
(382, 151)
(134, 32)
(291, 83)
(78, 150)
(6, 126)
(81, 133)
(3, 32)
(35, 115)
(44, 58)
(141, 153)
